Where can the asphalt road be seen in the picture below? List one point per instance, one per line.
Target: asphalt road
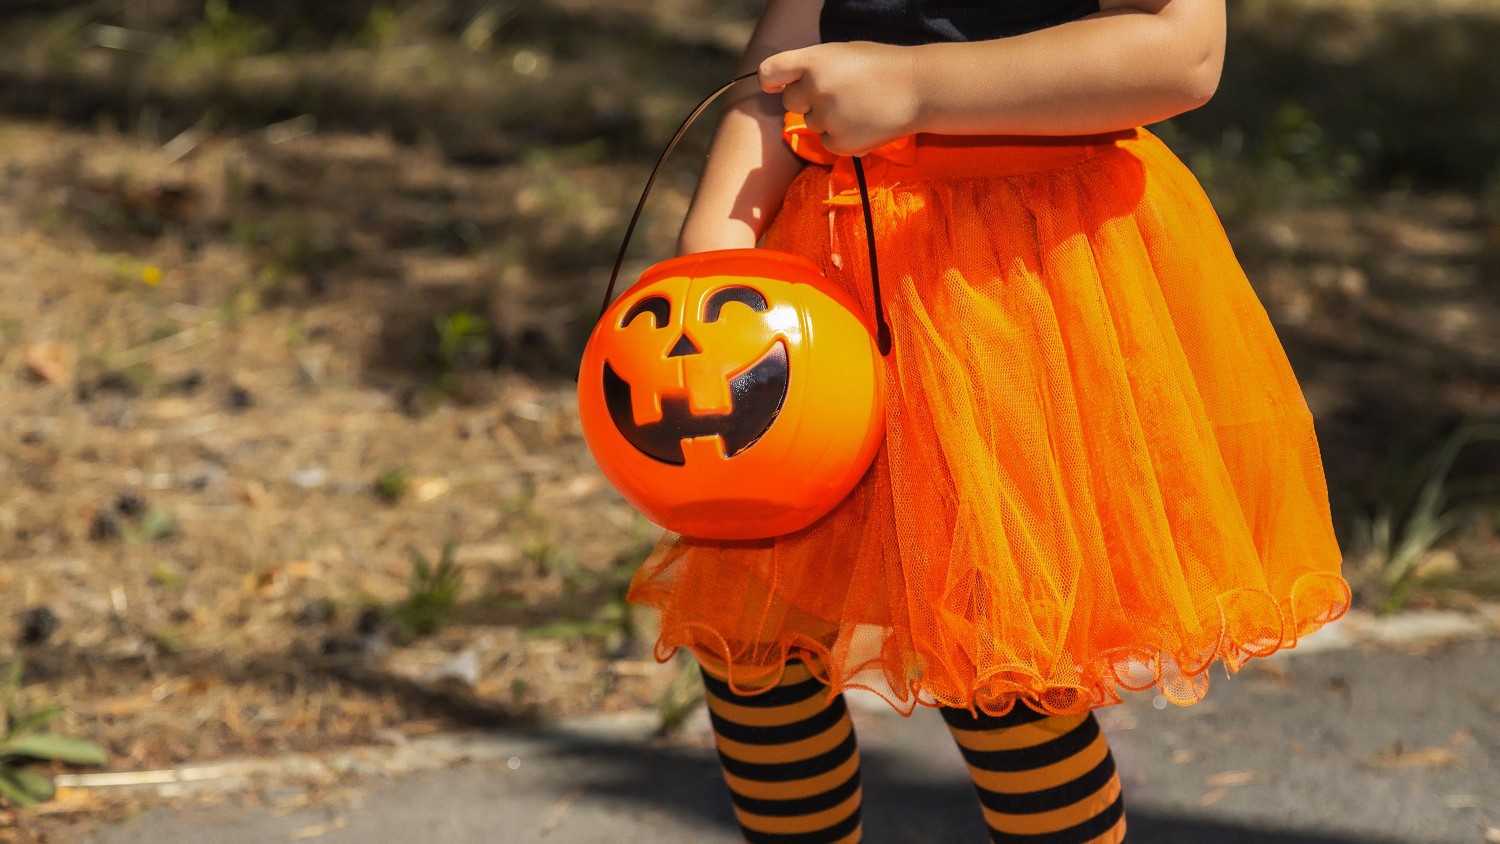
(1340, 747)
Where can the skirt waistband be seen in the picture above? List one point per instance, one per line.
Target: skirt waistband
(929, 156)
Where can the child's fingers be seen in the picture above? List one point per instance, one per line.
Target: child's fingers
(796, 99)
(781, 70)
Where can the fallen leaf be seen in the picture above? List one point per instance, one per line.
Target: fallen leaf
(1492, 834)
(428, 489)
(50, 361)
(318, 830)
(1232, 778)
(1182, 757)
(1212, 797)
(1423, 757)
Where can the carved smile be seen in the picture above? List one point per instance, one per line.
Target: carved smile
(757, 395)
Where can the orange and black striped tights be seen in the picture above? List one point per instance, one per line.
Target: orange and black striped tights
(789, 758)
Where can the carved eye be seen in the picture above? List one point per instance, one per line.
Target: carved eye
(743, 295)
(657, 306)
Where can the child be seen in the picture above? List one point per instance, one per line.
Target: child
(1099, 471)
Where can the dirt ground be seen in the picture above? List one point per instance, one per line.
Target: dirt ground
(274, 320)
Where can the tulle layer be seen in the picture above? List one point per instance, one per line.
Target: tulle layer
(1099, 470)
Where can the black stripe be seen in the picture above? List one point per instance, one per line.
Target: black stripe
(1037, 756)
(781, 733)
(1050, 799)
(799, 769)
(799, 805)
(962, 719)
(822, 836)
(777, 696)
(1076, 834)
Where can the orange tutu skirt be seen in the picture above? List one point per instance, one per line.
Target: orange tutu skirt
(1099, 471)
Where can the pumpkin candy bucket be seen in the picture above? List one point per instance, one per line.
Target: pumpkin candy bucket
(732, 394)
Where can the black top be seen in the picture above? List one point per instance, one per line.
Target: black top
(927, 21)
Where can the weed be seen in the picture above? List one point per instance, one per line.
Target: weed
(432, 595)
(392, 484)
(570, 628)
(546, 556)
(23, 737)
(166, 575)
(126, 272)
(1400, 534)
(380, 29)
(222, 37)
(1290, 157)
(171, 640)
(156, 524)
(681, 696)
(463, 340)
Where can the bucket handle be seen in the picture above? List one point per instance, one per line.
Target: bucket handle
(882, 328)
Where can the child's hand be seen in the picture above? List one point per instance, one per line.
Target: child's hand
(857, 95)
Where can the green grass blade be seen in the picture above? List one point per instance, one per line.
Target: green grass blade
(50, 746)
(34, 721)
(12, 791)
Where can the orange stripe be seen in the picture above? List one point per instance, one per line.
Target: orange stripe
(767, 716)
(1115, 835)
(1015, 738)
(1056, 820)
(799, 824)
(771, 754)
(793, 789)
(1049, 776)
(853, 837)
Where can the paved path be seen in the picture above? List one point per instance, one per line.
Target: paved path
(1335, 747)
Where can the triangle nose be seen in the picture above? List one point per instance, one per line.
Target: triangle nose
(684, 346)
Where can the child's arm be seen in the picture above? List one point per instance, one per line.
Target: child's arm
(1134, 62)
(749, 165)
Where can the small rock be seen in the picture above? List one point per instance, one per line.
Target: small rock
(104, 527)
(1353, 283)
(130, 504)
(201, 476)
(1282, 236)
(118, 382)
(38, 624)
(462, 668)
(310, 478)
(188, 383)
(371, 622)
(313, 614)
(239, 398)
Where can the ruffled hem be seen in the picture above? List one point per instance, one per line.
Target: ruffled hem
(1316, 599)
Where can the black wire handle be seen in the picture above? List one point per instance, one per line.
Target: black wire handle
(883, 328)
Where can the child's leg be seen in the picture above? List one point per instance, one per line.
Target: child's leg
(789, 760)
(1040, 778)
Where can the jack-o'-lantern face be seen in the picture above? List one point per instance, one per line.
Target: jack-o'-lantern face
(697, 362)
(707, 403)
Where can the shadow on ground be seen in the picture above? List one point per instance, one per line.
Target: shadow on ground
(898, 807)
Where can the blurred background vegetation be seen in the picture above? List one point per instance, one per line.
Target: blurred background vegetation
(292, 294)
